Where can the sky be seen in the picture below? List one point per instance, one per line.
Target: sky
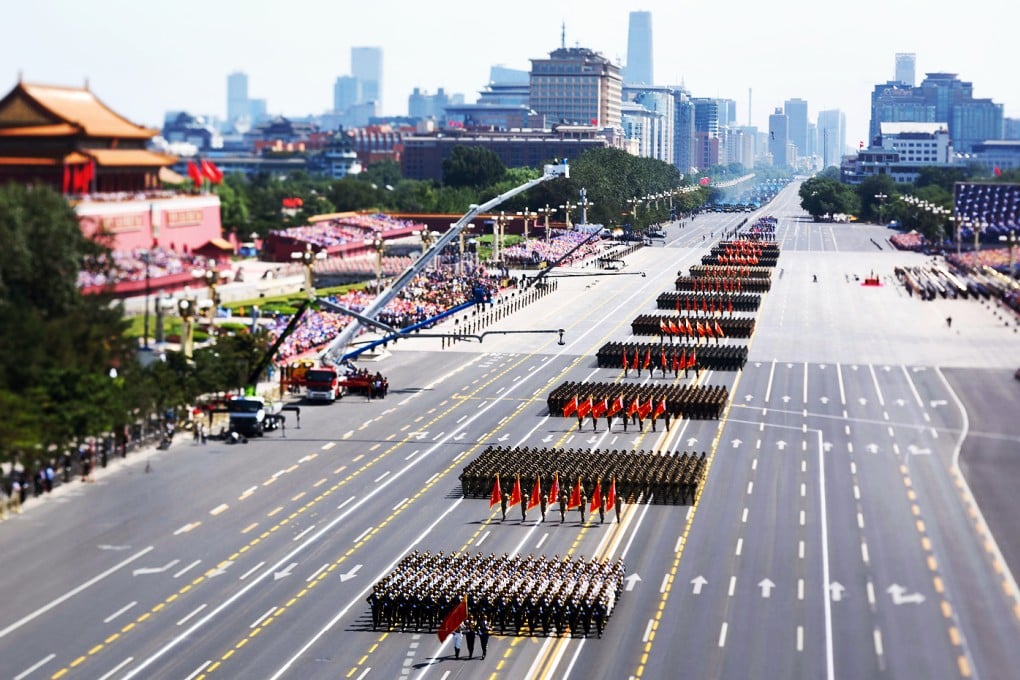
(145, 58)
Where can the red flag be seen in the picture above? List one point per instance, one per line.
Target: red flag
(645, 410)
(596, 498)
(660, 408)
(637, 360)
(217, 177)
(998, 171)
(66, 186)
(536, 494)
(663, 327)
(675, 364)
(648, 358)
(701, 330)
(515, 495)
(575, 496)
(497, 493)
(453, 620)
(611, 495)
(600, 408)
(633, 408)
(708, 329)
(718, 331)
(584, 407)
(673, 328)
(692, 361)
(729, 307)
(211, 172)
(662, 359)
(570, 407)
(625, 365)
(195, 174)
(616, 406)
(554, 490)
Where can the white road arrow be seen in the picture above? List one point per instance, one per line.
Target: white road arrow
(220, 569)
(886, 369)
(938, 402)
(593, 439)
(748, 397)
(780, 445)
(350, 574)
(698, 581)
(837, 591)
(631, 580)
(862, 401)
(827, 446)
(821, 366)
(901, 402)
(917, 451)
(460, 435)
(421, 435)
(757, 364)
(789, 365)
(918, 369)
(285, 573)
(503, 438)
(824, 400)
(899, 595)
(155, 570)
(736, 442)
(692, 441)
(786, 399)
(854, 367)
(766, 587)
(546, 439)
(872, 448)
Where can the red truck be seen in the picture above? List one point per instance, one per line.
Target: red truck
(323, 383)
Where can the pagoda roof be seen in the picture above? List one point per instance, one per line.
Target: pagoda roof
(50, 110)
(107, 158)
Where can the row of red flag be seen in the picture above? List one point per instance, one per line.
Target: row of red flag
(670, 327)
(204, 170)
(713, 306)
(554, 491)
(680, 362)
(597, 408)
(78, 177)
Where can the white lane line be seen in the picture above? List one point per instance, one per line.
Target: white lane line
(830, 664)
(398, 505)
(800, 638)
(340, 507)
(860, 520)
(382, 476)
(878, 642)
(750, 487)
(665, 583)
(482, 538)
(317, 572)
(743, 517)
(197, 610)
(34, 667)
(803, 518)
(871, 593)
(757, 444)
(542, 540)
(842, 394)
(429, 480)
(412, 454)
(803, 466)
(187, 568)
(327, 446)
(113, 671)
(71, 593)
(648, 630)
(803, 489)
(120, 611)
(256, 622)
(462, 419)
(864, 552)
(853, 468)
(878, 389)
(896, 449)
(722, 635)
(733, 585)
(363, 534)
(913, 389)
(800, 550)
(740, 546)
(857, 493)
(303, 533)
(186, 528)
(250, 571)
(247, 492)
(218, 509)
(849, 447)
(891, 432)
(768, 389)
(805, 381)
(198, 670)
(885, 414)
(800, 589)
(754, 463)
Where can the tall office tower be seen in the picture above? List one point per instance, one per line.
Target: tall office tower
(346, 93)
(779, 138)
(727, 112)
(639, 50)
(683, 131)
(660, 102)
(905, 63)
(237, 96)
(366, 66)
(577, 85)
(797, 114)
(831, 137)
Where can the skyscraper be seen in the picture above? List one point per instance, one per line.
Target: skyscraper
(346, 93)
(831, 136)
(577, 85)
(779, 137)
(639, 50)
(905, 63)
(797, 113)
(237, 96)
(366, 66)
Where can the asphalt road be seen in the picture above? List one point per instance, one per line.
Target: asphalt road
(835, 536)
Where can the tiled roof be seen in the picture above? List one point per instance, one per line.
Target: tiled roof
(130, 158)
(80, 107)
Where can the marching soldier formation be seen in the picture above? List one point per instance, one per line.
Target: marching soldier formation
(709, 303)
(723, 283)
(697, 402)
(671, 358)
(523, 595)
(679, 326)
(667, 477)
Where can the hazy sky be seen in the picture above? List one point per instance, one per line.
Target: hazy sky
(143, 58)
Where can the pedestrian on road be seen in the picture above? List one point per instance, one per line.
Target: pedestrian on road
(544, 505)
(469, 634)
(584, 501)
(949, 322)
(602, 510)
(456, 643)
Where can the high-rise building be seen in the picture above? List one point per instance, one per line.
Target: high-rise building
(346, 93)
(366, 66)
(831, 137)
(779, 138)
(656, 130)
(639, 50)
(577, 85)
(684, 141)
(237, 96)
(905, 64)
(797, 113)
(706, 115)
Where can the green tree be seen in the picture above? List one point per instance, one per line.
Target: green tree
(825, 196)
(473, 167)
(234, 213)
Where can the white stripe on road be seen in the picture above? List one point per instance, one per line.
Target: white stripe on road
(800, 638)
(113, 671)
(800, 550)
(34, 667)
(251, 571)
(648, 630)
(871, 593)
(665, 583)
(743, 517)
(542, 540)
(750, 487)
(382, 476)
(256, 622)
(800, 589)
(733, 585)
(120, 611)
(722, 635)
(878, 642)
(185, 569)
(397, 506)
(482, 538)
(363, 534)
(860, 520)
(302, 534)
(740, 546)
(218, 509)
(198, 670)
(316, 572)
(864, 552)
(197, 610)
(71, 593)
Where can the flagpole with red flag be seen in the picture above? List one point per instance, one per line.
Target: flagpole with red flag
(536, 494)
(554, 490)
(515, 495)
(457, 616)
(596, 497)
(575, 496)
(497, 493)
(611, 495)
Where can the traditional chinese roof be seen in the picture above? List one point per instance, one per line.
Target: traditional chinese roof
(48, 110)
(129, 158)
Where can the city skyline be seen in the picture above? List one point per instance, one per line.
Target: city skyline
(295, 70)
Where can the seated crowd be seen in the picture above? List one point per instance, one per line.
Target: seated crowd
(129, 265)
(347, 229)
(534, 251)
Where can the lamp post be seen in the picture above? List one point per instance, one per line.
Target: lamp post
(379, 246)
(979, 226)
(585, 204)
(186, 307)
(308, 258)
(527, 215)
(497, 234)
(1011, 240)
(546, 211)
(148, 292)
(566, 208)
(633, 210)
(880, 197)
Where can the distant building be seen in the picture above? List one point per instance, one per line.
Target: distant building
(902, 150)
(831, 133)
(184, 127)
(639, 50)
(367, 68)
(779, 139)
(905, 66)
(1001, 154)
(346, 93)
(796, 111)
(577, 86)
(421, 104)
(684, 144)
(658, 139)
(237, 96)
(338, 159)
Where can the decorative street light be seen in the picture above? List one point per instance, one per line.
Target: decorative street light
(187, 308)
(566, 208)
(880, 197)
(585, 204)
(527, 215)
(379, 246)
(1010, 239)
(634, 202)
(308, 256)
(547, 211)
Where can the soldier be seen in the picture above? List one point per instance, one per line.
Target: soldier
(524, 508)
(544, 504)
(503, 503)
(619, 507)
(602, 509)
(563, 507)
(584, 502)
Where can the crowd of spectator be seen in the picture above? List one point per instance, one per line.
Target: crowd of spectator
(130, 265)
(347, 229)
(119, 196)
(533, 251)
(361, 264)
(996, 258)
(909, 241)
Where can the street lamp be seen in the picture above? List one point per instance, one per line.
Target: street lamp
(634, 202)
(379, 246)
(585, 204)
(308, 257)
(527, 215)
(546, 211)
(880, 197)
(1012, 241)
(566, 208)
(147, 257)
(187, 308)
(979, 226)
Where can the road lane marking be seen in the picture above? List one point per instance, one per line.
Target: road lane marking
(113, 671)
(120, 611)
(864, 552)
(800, 638)
(483, 537)
(196, 611)
(800, 550)
(198, 670)
(247, 492)
(71, 593)
(542, 540)
(34, 667)
(750, 487)
(743, 517)
(401, 503)
(871, 593)
(185, 569)
(878, 642)
(733, 585)
(740, 545)
(800, 589)
(218, 509)
(363, 534)
(304, 533)
(262, 618)
(722, 635)
(251, 571)
(186, 528)
(382, 477)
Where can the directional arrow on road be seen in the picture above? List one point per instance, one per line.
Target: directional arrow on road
(918, 451)
(420, 435)
(821, 366)
(155, 570)
(698, 581)
(918, 369)
(886, 369)
(503, 438)
(901, 402)
(786, 399)
(546, 439)
(692, 441)
(780, 444)
(748, 397)
(220, 569)
(899, 595)
(837, 591)
(285, 573)
(824, 400)
(872, 448)
(789, 365)
(757, 364)
(736, 442)
(862, 401)
(827, 446)
(938, 402)
(460, 435)
(593, 439)
(766, 587)
(854, 367)
(350, 574)
(631, 580)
